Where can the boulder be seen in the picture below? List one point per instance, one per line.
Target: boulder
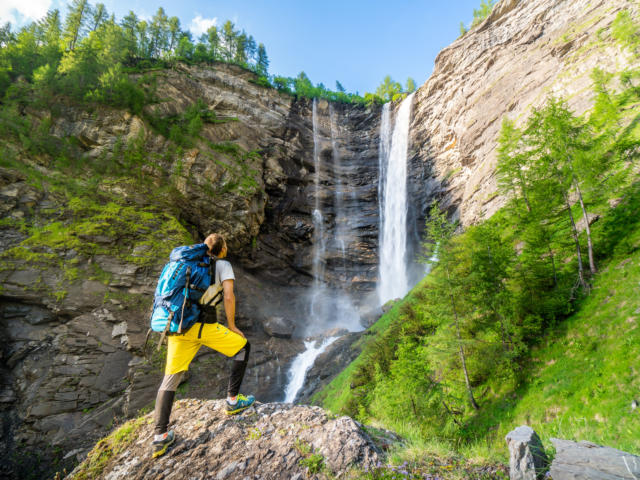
(576, 460)
(527, 460)
(278, 327)
(271, 440)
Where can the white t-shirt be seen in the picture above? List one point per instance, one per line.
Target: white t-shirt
(224, 271)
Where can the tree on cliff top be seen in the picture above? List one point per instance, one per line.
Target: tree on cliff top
(479, 14)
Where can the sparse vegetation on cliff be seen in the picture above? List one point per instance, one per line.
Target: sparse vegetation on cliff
(479, 14)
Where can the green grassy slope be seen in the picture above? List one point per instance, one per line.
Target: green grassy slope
(580, 379)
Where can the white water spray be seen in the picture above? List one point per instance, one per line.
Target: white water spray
(392, 189)
(302, 364)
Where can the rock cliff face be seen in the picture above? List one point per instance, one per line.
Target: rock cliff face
(77, 278)
(522, 53)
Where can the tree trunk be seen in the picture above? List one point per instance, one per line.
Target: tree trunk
(463, 359)
(553, 264)
(574, 231)
(592, 264)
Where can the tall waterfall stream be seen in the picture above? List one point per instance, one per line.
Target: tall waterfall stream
(330, 308)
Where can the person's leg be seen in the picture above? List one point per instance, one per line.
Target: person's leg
(238, 367)
(180, 352)
(231, 344)
(164, 401)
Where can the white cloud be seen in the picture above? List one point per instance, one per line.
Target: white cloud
(200, 25)
(20, 11)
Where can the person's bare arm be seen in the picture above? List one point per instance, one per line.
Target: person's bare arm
(230, 306)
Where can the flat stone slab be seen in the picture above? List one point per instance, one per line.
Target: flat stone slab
(586, 460)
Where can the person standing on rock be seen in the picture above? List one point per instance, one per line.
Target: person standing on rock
(182, 349)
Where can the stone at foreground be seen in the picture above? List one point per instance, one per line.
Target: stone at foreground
(586, 460)
(527, 459)
(267, 441)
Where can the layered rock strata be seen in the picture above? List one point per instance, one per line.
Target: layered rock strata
(524, 52)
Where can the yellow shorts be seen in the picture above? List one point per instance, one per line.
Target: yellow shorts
(182, 348)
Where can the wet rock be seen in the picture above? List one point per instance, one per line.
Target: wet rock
(328, 365)
(370, 316)
(267, 441)
(577, 460)
(527, 459)
(279, 327)
(389, 305)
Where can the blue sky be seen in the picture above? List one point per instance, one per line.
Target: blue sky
(355, 41)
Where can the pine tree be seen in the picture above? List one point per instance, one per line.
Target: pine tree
(411, 85)
(144, 43)
(98, 16)
(388, 90)
(173, 25)
(450, 286)
(75, 23)
(129, 26)
(158, 33)
(262, 64)
(214, 42)
(240, 56)
(229, 36)
(252, 49)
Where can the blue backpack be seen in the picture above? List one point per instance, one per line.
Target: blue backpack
(182, 282)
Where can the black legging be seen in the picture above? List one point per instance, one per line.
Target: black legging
(240, 361)
(164, 399)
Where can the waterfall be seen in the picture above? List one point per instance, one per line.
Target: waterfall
(341, 221)
(392, 188)
(319, 246)
(302, 364)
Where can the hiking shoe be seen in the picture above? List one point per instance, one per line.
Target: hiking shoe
(160, 446)
(242, 404)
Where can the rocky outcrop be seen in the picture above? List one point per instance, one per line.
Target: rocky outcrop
(522, 53)
(527, 459)
(329, 364)
(268, 441)
(574, 460)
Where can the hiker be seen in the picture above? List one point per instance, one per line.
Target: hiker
(182, 348)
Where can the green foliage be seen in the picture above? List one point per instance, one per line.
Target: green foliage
(479, 14)
(185, 128)
(388, 89)
(107, 448)
(314, 462)
(625, 30)
(90, 57)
